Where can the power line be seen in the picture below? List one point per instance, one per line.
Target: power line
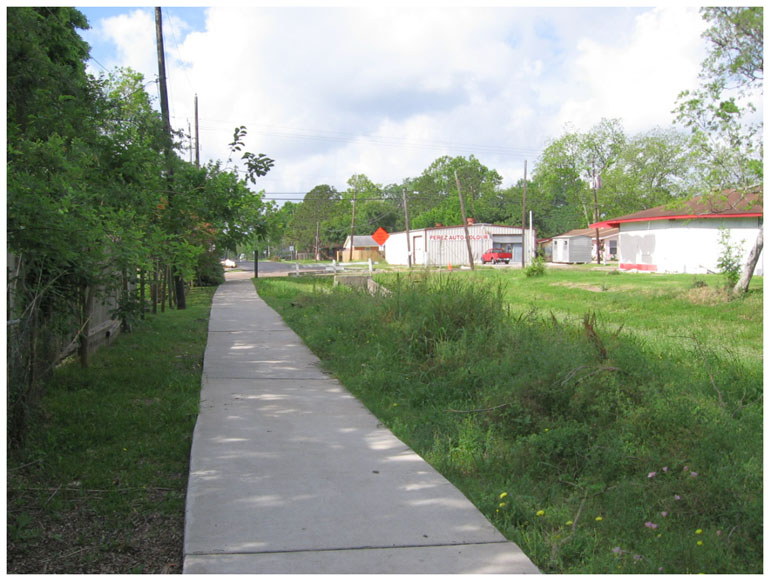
(385, 141)
(179, 50)
(290, 197)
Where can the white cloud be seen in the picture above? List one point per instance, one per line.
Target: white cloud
(131, 34)
(329, 92)
(638, 81)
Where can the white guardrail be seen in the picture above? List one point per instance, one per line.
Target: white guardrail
(340, 267)
(336, 267)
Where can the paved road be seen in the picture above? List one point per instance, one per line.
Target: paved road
(289, 473)
(268, 268)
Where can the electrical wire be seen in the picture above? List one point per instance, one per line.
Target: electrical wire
(379, 140)
(176, 44)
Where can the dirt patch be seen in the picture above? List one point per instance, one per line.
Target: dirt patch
(588, 287)
(78, 540)
(707, 295)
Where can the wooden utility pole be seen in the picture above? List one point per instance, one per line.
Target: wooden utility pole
(352, 227)
(524, 215)
(162, 78)
(465, 221)
(317, 241)
(406, 221)
(189, 140)
(594, 186)
(178, 280)
(197, 139)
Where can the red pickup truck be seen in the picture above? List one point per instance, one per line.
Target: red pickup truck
(495, 255)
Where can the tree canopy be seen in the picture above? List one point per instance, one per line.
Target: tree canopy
(89, 209)
(722, 113)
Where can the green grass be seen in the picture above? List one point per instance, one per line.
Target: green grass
(553, 422)
(100, 485)
(664, 310)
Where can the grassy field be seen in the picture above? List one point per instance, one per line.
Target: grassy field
(605, 423)
(664, 310)
(100, 486)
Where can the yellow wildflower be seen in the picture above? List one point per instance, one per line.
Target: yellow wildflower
(503, 494)
(598, 519)
(540, 513)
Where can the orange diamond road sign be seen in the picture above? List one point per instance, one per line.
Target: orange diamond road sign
(380, 236)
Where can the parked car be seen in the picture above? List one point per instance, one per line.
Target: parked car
(495, 255)
(228, 263)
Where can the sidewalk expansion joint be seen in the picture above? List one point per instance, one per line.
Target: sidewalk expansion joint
(263, 378)
(241, 330)
(361, 548)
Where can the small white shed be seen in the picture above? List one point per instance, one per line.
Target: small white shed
(579, 246)
(572, 247)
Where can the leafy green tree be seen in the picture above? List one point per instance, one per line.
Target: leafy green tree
(559, 175)
(51, 220)
(447, 213)
(599, 151)
(88, 206)
(372, 210)
(636, 173)
(721, 113)
(435, 191)
(46, 85)
(277, 233)
(316, 208)
(652, 169)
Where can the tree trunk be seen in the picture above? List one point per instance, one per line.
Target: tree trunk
(171, 287)
(179, 291)
(154, 287)
(142, 292)
(85, 330)
(748, 269)
(163, 286)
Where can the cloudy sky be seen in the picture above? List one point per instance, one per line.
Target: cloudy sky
(329, 92)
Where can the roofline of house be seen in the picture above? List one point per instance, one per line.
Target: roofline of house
(609, 231)
(426, 228)
(616, 223)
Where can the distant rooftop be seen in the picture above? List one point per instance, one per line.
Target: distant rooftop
(730, 203)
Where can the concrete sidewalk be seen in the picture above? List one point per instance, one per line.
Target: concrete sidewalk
(291, 474)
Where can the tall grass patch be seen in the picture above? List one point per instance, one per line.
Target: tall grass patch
(583, 441)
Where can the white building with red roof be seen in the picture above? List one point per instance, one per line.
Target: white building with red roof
(686, 237)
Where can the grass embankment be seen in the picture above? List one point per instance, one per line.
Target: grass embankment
(100, 486)
(596, 449)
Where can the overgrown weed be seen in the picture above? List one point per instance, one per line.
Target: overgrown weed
(552, 427)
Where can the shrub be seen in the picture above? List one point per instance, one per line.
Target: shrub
(536, 268)
(209, 271)
(729, 262)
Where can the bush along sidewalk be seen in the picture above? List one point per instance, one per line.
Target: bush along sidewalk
(591, 450)
(100, 486)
